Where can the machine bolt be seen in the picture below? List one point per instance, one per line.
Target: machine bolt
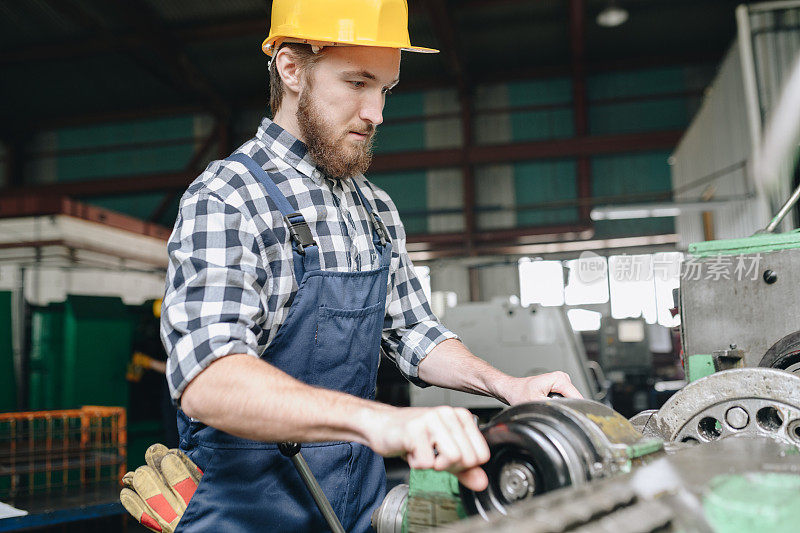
(516, 481)
(770, 276)
(737, 417)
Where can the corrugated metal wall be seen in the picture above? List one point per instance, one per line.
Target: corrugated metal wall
(712, 157)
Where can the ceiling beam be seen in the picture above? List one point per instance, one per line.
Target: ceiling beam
(105, 38)
(169, 49)
(580, 97)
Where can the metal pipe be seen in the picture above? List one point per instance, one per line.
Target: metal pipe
(773, 224)
(749, 77)
(316, 492)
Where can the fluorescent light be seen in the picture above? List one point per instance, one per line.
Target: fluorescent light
(612, 16)
(664, 209)
(665, 212)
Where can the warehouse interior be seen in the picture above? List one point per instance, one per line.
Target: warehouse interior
(599, 187)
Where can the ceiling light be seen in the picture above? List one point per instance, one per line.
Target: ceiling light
(612, 15)
(666, 209)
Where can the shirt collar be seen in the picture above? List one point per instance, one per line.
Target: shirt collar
(289, 148)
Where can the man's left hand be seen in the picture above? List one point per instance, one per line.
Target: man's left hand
(533, 388)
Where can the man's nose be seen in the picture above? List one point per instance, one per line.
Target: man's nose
(372, 109)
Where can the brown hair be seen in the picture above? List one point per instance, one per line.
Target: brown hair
(306, 59)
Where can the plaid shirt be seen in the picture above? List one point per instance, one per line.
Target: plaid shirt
(230, 280)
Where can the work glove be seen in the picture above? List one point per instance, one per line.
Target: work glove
(158, 493)
(137, 365)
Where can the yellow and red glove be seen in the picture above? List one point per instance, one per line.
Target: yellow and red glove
(158, 493)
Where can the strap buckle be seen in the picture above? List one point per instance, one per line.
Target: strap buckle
(299, 232)
(380, 228)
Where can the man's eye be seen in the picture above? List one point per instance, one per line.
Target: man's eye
(358, 84)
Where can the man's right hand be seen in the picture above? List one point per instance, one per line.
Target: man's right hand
(441, 438)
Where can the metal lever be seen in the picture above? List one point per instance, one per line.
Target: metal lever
(292, 451)
(784, 210)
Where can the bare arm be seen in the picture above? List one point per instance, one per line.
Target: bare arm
(247, 397)
(451, 365)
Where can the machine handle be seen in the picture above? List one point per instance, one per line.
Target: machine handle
(784, 210)
(599, 378)
(292, 451)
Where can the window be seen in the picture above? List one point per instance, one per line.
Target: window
(584, 320)
(588, 280)
(541, 282)
(641, 285)
(635, 285)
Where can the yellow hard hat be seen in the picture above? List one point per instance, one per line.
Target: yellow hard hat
(340, 23)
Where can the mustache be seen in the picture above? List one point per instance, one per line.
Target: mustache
(368, 129)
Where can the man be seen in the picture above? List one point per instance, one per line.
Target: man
(287, 271)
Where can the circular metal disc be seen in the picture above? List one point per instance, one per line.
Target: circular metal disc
(762, 401)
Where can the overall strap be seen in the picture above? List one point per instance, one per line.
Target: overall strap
(380, 235)
(306, 252)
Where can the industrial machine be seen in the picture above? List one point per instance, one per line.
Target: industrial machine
(739, 300)
(521, 341)
(720, 455)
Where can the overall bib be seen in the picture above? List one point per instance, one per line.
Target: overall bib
(331, 338)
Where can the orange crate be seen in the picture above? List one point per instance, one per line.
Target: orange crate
(51, 451)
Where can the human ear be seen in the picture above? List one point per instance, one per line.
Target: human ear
(288, 69)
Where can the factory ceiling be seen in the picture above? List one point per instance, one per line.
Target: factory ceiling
(65, 61)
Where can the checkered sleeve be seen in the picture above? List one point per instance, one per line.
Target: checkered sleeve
(410, 329)
(212, 306)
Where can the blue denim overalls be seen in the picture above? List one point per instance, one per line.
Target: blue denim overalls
(331, 338)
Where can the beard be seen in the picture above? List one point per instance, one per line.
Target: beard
(336, 155)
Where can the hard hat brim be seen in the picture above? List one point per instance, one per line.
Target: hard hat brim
(268, 45)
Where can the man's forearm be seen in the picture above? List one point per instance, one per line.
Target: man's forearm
(451, 365)
(250, 398)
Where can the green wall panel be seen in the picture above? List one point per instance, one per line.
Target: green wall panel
(629, 174)
(540, 92)
(540, 125)
(404, 105)
(529, 125)
(631, 117)
(408, 190)
(399, 136)
(8, 389)
(124, 162)
(636, 83)
(71, 167)
(126, 132)
(545, 181)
